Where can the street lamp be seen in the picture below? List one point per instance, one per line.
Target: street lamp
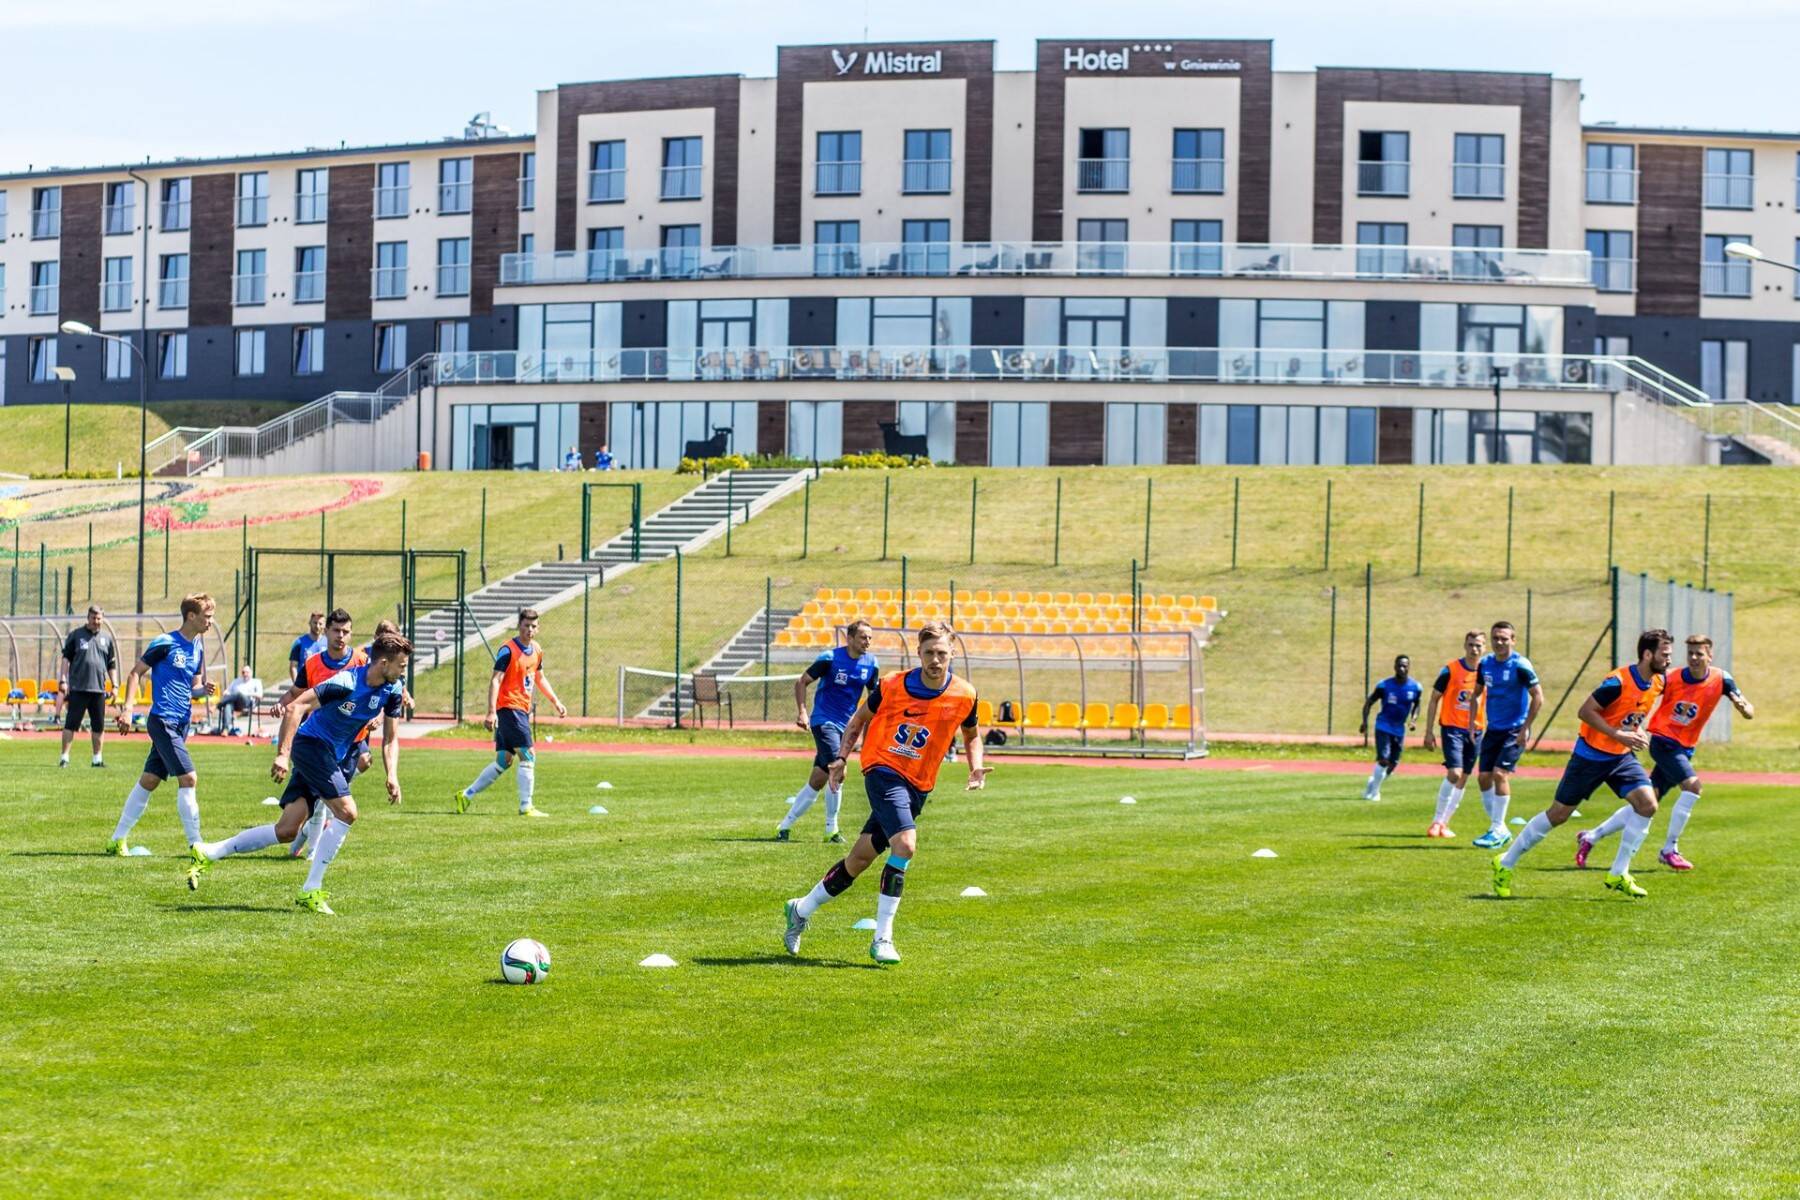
(1499, 374)
(82, 329)
(65, 376)
(1745, 250)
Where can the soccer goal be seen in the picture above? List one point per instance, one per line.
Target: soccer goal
(663, 699)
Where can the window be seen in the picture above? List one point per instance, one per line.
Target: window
(177, 204)
(1468, 261)
(456, 184)
(310, 195)
(680, 250)
(120, 208)
(1478, 171)
(309, 350)
(1565, 438)
(1383, 164)
(1195, 247)
(936, 420)
(393, 189)
(1380, 249)
(606, 172)
(251, 359)
(925, 247)
(1135, 434)
(116, 359)
(250, 284)
(46, 212)
(527, 180)
(1725, 368)
(390, 271)
(528, 243)
(115, 288)
(1611, 253)
(1611, 173)
(926, 167)
(837, 247)
(1291, 341)
(1729, 180)
(172, 283)
(40, 359)
(838, 171)
(1105, 161)
(815, 428)
(46, 288)
(390, 346)
(606, 252)
(1199, 161)
(1720, 274)
(1100, 246)
(171, 355)
(253, 198)
(2, 214)
(309, 275)
(1019, 434)
(452, 337)
(681, 168)
(453, 267)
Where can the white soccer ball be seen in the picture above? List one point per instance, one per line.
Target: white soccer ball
(524, 961)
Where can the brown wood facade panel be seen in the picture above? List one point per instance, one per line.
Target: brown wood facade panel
(1256, 114)
(1668, 230)
(771, 427)
(80, 252)
(592, 429)
(717, 92)
(796, 66)
(1182, 442)
(862, 424)
(972, 433)
(212, 243)
(1077, 433)
(1530, 94)
(349, 243)
(1394, 436)
(494, 226)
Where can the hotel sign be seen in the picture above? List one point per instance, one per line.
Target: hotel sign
(1164, 54)
(887, 62)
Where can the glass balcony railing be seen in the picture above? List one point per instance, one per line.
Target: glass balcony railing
(119, 218)
(1477, 181)
(252, 210)
(46, 298)
(46, 223)
(455, 197)
(837, 179)
(681, 183)
(924, 176)
(1202, 175)
(1103, 175)
(1429, 264)
(1611, 185)
(392, 201)
(1615, 274)
(115, 295)
(388, 283)
(1383, 178)
(172, 293)
(249, 290)
(1731, 279)
(1730, 191)
(606, 186)
(309, 287)
(310, 207)
(175, 215)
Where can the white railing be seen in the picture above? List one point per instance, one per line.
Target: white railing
(1103, 175)
(455, 197)
(1383, 177)
(115, 295)
(172, 447)
(1203, 175)
(842, 178)
(1615, 274)
(252, 210)
(176, 215)
(1725, 279)
(309, 287)
(119, 218)
(1478, 181)
(310, 207)
(249, 290)
(681, 183)
(46, 222)
(1432, 264)
(1611, 185)
(172, 293)
(1723, 190)
(389, 283)
(392, 201)
(925, 175)
(46, 298)
(606, 185)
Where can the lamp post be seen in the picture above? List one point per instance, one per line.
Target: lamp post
(82, 329)
(1745, 250)
(1499, 374)
(65, 376)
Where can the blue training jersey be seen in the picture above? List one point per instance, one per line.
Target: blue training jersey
(174, 661)
(304, 647)
(842, 682)
(1508, 686)
(1397, 700)
(347, 702)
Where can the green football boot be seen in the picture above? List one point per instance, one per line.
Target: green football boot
(1625, 885)
(315, 901)
(198, 865)
(1502, 878)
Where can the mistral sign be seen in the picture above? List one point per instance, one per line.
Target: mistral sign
(887, 62)
(1118, 59)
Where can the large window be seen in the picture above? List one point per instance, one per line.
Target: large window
(837, 247)
(46, 212)
(1380, 249)
(456, 185)
(1101, 246)
(253, 198)
(393, 190)
(1610, 251)
(250, 284)
(120, 208)
(309, 275)
(1198, 164)
(2, 214)
(177, 204)
(1478, 172)
(1135, 435)
(1105, 161)
(1473, 257)
(904, 333)
(1611, 173)
(606, 252)
(527, 181)
(1195, 247)
(115, 290)
(309, 350)
(452, 337)
(681, 168)
(311, 198)
(838, 171)
(1292, 341)
(390, 271)
(925, 247)
(1453, 436)
(1296, 435)
(816, 429)
(250, 359)
(46, 288)
(926, 166)
(1383, 163)
(514, 437)
(680, 250)
(116, 364)
(1730, 179)
(453, 267)
(1720, 274)
(172, 282)
(606, 172)
(1018, 434)
(171, 355)
(390, 346)
(40, 359)
(936, 421)
(1725, 368)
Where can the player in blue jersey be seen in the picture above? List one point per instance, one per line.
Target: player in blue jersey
(1399, 700)
(176, 665)
(844, 675)
(318, 730)
(305, 646)
(1513, 697)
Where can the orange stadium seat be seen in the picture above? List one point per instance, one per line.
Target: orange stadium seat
(1037, 715)
(1068, 715)
(984, 712)
(1156, 716)
(1182, 717)
(1096, 715)
(1125, 716)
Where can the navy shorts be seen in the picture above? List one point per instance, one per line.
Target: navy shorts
(1388, 746)
(894, 805)
(168, 758)
(349, 763)
(512, 729)
(1674, 763)
(1622, 773)
(1500, 748)
(314, 773)
(1459, 748)
(91, 705)
(827, 740)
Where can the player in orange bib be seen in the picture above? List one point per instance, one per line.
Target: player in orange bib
(337, 655)
(906, 727)
(518, 676)
(1688, 699)
(1459, 728)
(1612, 731)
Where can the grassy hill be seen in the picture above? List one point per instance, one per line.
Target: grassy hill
(104, 436)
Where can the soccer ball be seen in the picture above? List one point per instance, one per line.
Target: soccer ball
(524, 961)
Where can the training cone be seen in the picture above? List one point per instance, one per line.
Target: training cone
(1265, 852)
(658, 960)
(271, 802)
(596, 811)
(139, 852)
(603, 786)
(1517, 821)
(1127, 799)
(973, 891)
(865, 923)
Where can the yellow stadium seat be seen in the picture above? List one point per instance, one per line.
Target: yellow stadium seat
(1185, 602)
(941, 596)
(1064, 598)
(964, 596)
(1209, 604)
(843, 595)
(1103, 598)
(781, 637)
(1068, 715)
(882, 595)
(1166, 601)
(1156, 716)
(1125, 716)
(1059, 627)
(1042, 598)
(864, 595)
(984, 712)
(1096, 715)
(1037, 714)
(1084, 598)
(811, 607)
(823, 593)
(1182, 717)
(27, 688)
(982, 596)
(144, 691)
(5, 688)
(1010, 612)
(1040, 627)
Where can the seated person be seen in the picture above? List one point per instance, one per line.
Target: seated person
(241, 698)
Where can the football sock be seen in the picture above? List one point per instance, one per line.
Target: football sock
(64, 760)
(1487, 803)
(1678, 817)
(1445, 792)
(188, 805)
(893, 882)
(316, 822)
(834, 800)
(802, 801)
(1375, 778)
(260, 837)
(1531, 835)
(135, 804)
(330, 838)
(1501, 799)
(1611, 825)
(488, 774)
(1637, 826)
(834, 883)
(527, 780)
(97, 760)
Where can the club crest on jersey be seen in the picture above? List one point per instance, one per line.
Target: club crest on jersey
(841, 678)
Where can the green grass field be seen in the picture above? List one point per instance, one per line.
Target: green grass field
(104, 437)
(1138, 1008)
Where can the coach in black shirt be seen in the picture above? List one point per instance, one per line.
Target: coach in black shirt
(92, 661)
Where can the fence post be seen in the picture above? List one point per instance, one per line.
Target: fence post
(403, 522)
(1235, 482)
(1134, 595)
(728, 507)
(168, 540)
(953, 602)
(678, 637)
(1368, 622)
(1706, 546)
(1328, 524)
(587, 506)
(321, 549)
(90, 562)
(42, 560)
(237, 618)
(69, 590)
(1331, 665)
(484, 531)
(587, 586)
(805, 517)
(12, 607)
(903, 571)
(768, 636)
(1419, 537)
(1149, 486)
(974, 491)
(1612, 497)
(887, 490)
(1527, 622)
(1509, 528)
(1056, 544)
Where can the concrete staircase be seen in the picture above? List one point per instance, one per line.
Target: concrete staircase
(1778, 452)
(699, 517)
(743, 650)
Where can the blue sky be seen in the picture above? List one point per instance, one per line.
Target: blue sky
(108, 81)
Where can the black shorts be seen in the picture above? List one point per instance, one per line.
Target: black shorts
(827, 740)
(894, 805)
(89, 704)
(1500, 748)
(512, 730)
(1623, 773)
(1459, 748)
(1674, 763)
(314, 773)
(168, 757)
(1389, 746)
